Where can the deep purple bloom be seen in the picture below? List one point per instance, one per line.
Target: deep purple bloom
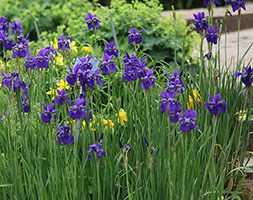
(200, 21)
(134, 36)
(212, 35)
(8, 44)
(48, 111)
(215, 105)
(16, 27)
(11, 80)
(167, 99)
(188, 121)
(133, 68)
(65, 135)
(236, 4)
(147, 79)
(20, 49)
(26, 106)
(78, 110)
(246, 76)
(30, 63)
(4, 24)
(87, 73)
(92, 21)
(42, 62)
(174, 111)
(108, 65)
(207, 2)
(111, 50)
(97, 148)
(175, 84)
(61, 97)
(72, 76)
(63, 42)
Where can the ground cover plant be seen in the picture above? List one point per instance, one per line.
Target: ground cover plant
(79, 121)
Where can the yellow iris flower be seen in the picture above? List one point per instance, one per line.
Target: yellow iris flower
(52, 93)
(122, 117)
(195, 97)
(62, 85)
(87, 49)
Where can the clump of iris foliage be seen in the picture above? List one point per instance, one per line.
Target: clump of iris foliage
(80, 124)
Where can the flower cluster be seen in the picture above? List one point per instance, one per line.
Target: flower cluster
(64, 135)
(17, 43)
(137, 69)
(85, 71)
(14, 83)
(201, 25)
(42, 59)
(236, 4)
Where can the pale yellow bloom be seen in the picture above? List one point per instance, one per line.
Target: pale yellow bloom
(62, 85)
(196, 98)
(59, 60)
(122, 117)
(73, 46)
(241, 115)
(108, 123)
(190, 104)
(87, 49)
(52, 93)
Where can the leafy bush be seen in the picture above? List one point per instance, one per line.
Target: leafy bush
(165, 38)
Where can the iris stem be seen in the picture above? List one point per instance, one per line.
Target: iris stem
(238, 37)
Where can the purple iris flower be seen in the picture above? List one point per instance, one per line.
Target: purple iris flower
(44, 57)
(47, 114)
(63, 42)
(8, 44)
(92, 21)
(30, 63)
(97, 148)
(4, 24)
(188, 121)
(16, 27)
(212, 35)
(78, 110)
(108, 65)
(72, 76)
(26, 106)
(236, 4)
(134, 36)
(216, 105)
(207, 2)
(111, 50)
(246, 76)
(11, 80)
(167, 99)
(20, 49)
(148, 80)
(174, 111)
(61, 97)
(65, 135)
(133, 68)
(200, 21)
(175, 84)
